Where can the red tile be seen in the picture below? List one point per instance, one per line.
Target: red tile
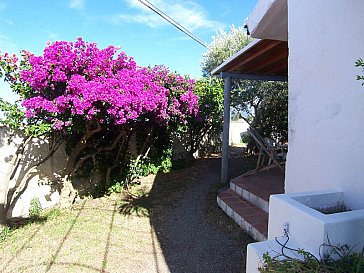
(262, 227)
(248, 211)
(254, 219)
(263, 183)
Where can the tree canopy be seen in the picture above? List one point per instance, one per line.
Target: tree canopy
(205, 129)
(77, 81)
(95, 101)
(223, 46)
(265, 103)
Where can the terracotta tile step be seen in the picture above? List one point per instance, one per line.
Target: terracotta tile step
(262, 184)
(247, 215)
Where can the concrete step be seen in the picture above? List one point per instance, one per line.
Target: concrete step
(248, 216)
(258, 187)
(252, 197)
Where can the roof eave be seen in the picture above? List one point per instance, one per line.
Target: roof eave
(269, 20)
(221, 67)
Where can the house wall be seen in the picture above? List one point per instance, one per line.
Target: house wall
(236, 129)
(326, 113)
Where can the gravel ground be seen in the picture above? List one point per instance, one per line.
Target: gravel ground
(189, 243)
(190, 236)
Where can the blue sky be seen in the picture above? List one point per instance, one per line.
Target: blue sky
(142, 34)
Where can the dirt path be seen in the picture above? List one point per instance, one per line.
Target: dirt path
(189, 242)
(172, 226)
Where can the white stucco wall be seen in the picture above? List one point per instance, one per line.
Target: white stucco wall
(44, 183)
(236, 129)
(326, 102)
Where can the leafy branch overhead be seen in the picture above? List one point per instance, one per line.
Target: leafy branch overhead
(360, 63)
(223, 46)
(264, 103)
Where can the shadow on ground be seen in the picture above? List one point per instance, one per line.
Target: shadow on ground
(193, 233)
(175, 227)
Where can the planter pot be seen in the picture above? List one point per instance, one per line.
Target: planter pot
(310, 228)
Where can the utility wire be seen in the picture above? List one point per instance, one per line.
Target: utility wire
(172, 21)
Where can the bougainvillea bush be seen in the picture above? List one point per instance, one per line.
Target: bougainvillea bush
(97, 101)
(78, 80)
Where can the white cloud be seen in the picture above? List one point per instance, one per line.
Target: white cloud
(76, 4)
(188, 13)
(51, 36)
(6, 21)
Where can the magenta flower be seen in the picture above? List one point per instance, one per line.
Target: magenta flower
(80, 80)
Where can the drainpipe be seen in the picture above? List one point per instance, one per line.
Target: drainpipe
(225, 135)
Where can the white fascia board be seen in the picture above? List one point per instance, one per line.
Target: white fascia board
(269, 20)
(236, 55)
(259, 11)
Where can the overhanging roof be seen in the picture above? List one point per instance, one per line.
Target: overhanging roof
(260, 57)
(269, 20)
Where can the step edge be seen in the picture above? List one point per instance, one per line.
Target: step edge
(251, 197)
(243, 223)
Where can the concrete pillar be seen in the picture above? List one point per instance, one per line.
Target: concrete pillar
(225, 136)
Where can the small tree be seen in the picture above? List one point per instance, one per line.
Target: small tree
(265, 103)
(266, 106)
(94, 101)
(204, 131)
(223, 46)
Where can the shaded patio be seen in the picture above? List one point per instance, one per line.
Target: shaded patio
(265, 60)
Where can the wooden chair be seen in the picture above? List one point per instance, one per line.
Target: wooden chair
(270, 149)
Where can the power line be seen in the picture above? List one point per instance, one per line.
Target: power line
(172, 21)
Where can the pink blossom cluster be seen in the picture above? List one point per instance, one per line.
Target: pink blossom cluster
(80, 80)
(8, 64)
(182, 100)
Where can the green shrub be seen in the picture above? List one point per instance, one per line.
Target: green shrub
(35, 208)
(4, 233)
(116, 188)
(341, 259)
(360, 63)
(245, 137)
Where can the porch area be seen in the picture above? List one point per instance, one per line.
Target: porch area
(246, 201)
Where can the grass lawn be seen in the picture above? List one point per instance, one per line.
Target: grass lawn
(98, 235)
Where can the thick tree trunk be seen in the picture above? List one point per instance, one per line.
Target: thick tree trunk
(68, 193)
(5, 178)
(4, 188)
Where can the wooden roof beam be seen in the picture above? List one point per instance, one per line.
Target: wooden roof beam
(269, 61)
(261, 50)
(241, 76)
